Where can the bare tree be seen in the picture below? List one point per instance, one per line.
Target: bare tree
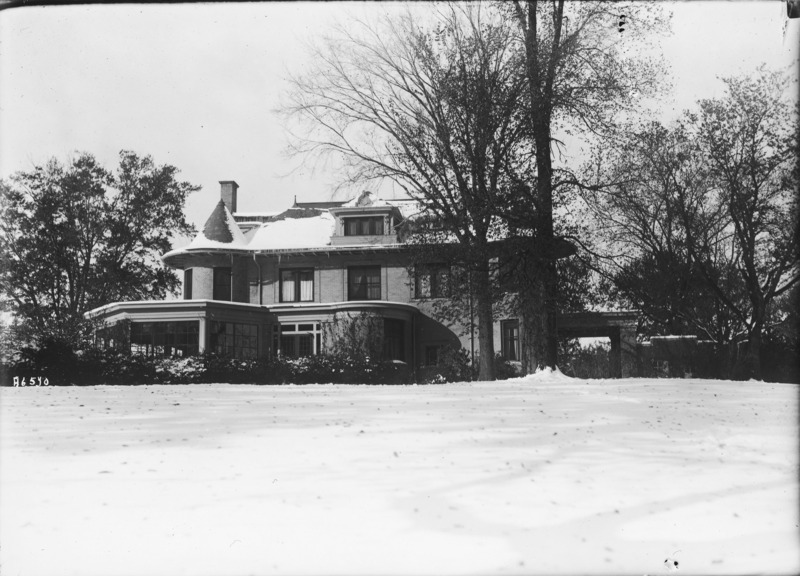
(584, 66)
(701, 227)
(437, 108)
(660, 197)
(750, 140)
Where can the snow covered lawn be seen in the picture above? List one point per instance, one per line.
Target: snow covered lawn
(538, 475)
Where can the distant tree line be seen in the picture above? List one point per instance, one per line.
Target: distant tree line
(698, 220)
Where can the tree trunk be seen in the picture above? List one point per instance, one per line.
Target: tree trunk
(539, 344)
(751, 364)
(483, 301)
(539, 300)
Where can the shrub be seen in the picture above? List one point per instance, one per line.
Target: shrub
(53, 359)
(505, 369)
(64, 366)
(453, 365)
(180, 370)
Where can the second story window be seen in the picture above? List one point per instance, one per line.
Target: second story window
(364, 283)
(222, 284)
(510, 341)
(187, 284)
(371, 226)
(297, 285)
(431, 281)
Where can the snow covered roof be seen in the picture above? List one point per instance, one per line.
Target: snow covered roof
(314, 231)
(366, 198)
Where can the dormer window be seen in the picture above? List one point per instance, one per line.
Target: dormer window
(364, 226)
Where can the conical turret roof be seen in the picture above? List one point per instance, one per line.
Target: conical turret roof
(216, 227)
(219, 230)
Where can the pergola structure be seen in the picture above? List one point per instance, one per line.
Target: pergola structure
(619, 327)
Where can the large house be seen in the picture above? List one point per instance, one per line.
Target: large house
(261, 284)
(255, 285)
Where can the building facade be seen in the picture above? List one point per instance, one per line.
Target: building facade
(305, 281)
(292, 283)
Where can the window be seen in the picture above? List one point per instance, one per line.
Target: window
(297, 340)
(364, 283)
(187, 284)
(394, 339)
(165, 338)
(371, 226)
(432, 355)
(297, 285)
(222, 284)
(234, 340)
(510, 339)
(431, 281)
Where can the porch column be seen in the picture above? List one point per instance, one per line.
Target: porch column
(628, 360)
(616, 356)
(201, 339)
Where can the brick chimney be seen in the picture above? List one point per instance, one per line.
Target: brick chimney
(228, 190)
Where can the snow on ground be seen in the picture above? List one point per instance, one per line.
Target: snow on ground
(530, 476)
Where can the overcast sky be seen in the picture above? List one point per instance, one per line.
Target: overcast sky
(195, 85)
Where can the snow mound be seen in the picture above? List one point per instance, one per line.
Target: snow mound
(546, 375)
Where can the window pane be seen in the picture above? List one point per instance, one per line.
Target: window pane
(431, 355)
(440, 278)
(287, 286)
(305, 345)
(364, 283)
(287, 346)
(165, 338)
(222, 284)
(306, 285)
(187, 284)
(511, 340)
(363, 226)
(393, 339)
(423, 282)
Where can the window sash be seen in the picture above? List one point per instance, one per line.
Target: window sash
(172, 338)
(393, 339)
(187, 284)
(511, 340)
(364, 283)
(297, 286)
(222, 284)
(432, 355)
(432, 281)
(306, 287)
(287, 286)
(234, 340)
(369, 226)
